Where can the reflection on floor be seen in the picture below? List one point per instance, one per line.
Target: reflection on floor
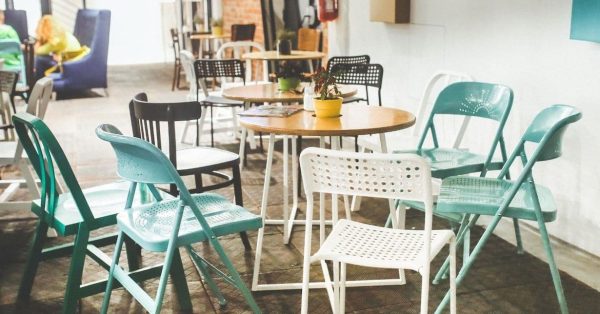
(501, 280)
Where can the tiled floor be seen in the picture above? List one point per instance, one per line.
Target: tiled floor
(500, 282)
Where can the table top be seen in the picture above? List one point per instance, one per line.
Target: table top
(270, 93)
(273, 55)
(209, 36)
(356, 119)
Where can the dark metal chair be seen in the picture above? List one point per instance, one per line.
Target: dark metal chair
(177, 66)
(240, 32)
(367, 75)
(361, 59)
(218, 69)
(146, 118)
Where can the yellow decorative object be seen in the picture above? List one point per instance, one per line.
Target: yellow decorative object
(217, 30)
(328, 108)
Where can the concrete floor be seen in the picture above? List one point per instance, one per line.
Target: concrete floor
(501, 281)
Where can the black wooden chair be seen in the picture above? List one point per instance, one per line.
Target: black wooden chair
(146, 118)
(241, 32)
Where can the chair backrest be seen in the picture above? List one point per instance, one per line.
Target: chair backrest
(8, 81)
(361, 59)
(9, 46)
(175, 43)
(238, 48)
(389, 176)
(438, 81)
(48, 159)
(218, 69)
(141, 162)
(187, 63)
(18, 20)
(472, 99)
(309, 39)
(546, 133)
(367, 75)
(146, 118)
(242, 32)
(40, 97)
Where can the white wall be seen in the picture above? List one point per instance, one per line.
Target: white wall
(138, 33)
(522, 44)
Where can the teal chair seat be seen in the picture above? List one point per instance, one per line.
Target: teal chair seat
(447, 162)
(151, 225)
(484, 196)
(105, 202)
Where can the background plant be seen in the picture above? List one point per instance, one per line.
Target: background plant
(289, 69)
(216, 22)
(286, 34)
(325, 85)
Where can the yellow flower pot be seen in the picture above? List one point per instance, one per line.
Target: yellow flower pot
(217, 30)
(328, 108)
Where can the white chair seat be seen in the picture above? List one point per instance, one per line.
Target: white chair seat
(200, 157)
(373, 246)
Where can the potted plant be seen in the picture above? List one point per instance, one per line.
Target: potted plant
(199, 22)
(288, 76)
(217, 27)
(328, 100)
(284, 41)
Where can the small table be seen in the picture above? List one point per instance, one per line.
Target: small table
(212, 41)
(355, 120)
(296, 55)
(268, 93)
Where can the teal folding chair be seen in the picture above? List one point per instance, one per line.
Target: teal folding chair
(468, 100)
(166, 225)
(522, 198)
(76, 212)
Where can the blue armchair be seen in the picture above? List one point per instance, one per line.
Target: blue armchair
(92, 28)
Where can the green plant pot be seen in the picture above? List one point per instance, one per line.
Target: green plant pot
(286, 84)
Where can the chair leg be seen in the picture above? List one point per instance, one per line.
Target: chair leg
(462, 237)
(205, 274)
(72, 295)
(560, 294)
(180, 283)
(134, 254)
(35, 255)
(212, 128)
(468, 263)
(425, 289)
(235, 276)
(237, 190)
(174, 77)
(518, 236)
(111, 272)
(453, 276)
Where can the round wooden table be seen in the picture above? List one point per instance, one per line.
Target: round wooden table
(270, 93)
(296, 55)
(355, 120)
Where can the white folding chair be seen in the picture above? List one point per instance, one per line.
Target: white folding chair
(388, 176)
(11, 152)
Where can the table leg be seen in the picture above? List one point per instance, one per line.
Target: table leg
(263, 210)
(243, 147)
(286, 188)
(294, 208)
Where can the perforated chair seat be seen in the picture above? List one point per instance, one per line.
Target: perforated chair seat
(151, 225)
(373, 246)
(190, 160)
(446, 162)
(484, 196)
(105, 202)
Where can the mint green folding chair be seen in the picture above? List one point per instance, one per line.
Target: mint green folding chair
(76, 212)
(468, 100)
(521, 198)
(166, 225)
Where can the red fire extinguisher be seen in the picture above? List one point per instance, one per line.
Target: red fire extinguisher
(328, 10)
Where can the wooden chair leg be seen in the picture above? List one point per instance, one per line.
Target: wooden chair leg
(237, 190)
(181, 287)
(134, 254)
(174, 77)
(35, 255)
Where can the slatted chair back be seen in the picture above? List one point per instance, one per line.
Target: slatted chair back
(360, 59)
(225, 70)
(48, 159)
(146, 118)
(367, 75)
